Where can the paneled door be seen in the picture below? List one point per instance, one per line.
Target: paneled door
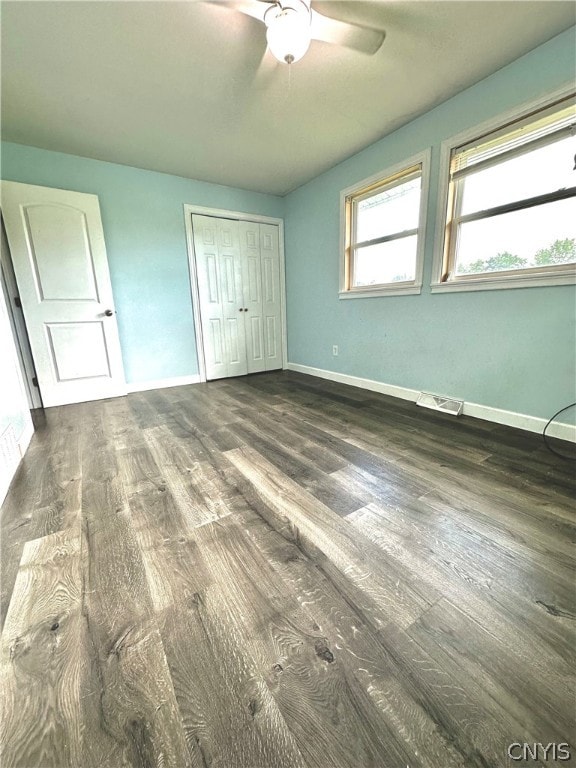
(271, 299)
(238, 272)
(219, 269)
(261, 282)
(59, 256)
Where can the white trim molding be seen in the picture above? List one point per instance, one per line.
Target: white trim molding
(496, 283)
(12, 457)
(239, 216)
(410, 290)
(521, 421)
(487, 413)
(177, 381)
(25, 438)
(355, 381)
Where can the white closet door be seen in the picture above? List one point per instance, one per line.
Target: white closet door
(252, 286)
(219, 268)
(271, 299)
(238, 273)
(59, 256)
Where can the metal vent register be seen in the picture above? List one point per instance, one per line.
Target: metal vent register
(440, 403)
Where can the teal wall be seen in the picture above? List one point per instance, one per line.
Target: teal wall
(143, 219)
(509, 349)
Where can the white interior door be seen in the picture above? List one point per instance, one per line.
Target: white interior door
(59, 256)
(219, 270)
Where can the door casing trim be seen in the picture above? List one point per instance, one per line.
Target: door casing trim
(19, 330)
(222, 213)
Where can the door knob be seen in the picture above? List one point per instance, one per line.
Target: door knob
(108, 312)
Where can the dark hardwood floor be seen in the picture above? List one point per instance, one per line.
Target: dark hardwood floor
(282, 572)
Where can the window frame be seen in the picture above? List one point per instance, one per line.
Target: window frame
(448, 219)
(398, 173)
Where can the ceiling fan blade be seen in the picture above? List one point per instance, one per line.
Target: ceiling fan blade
(254, 8)
(343, 33)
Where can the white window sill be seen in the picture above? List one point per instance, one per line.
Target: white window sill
(498, 283)
(401, 290)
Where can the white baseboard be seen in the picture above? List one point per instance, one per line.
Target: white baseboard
(354, 381)
(486, 412)
(12, 458)
(178, 381)
(521, 421)
(25, 438)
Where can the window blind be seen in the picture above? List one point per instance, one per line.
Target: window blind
(381, 186)
(557, 122)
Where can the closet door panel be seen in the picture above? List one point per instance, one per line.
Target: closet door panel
(207, 268)
(272, 336)
(238, 268)
(271, 302)
(219, 270)
(232, 296)
(252, 287)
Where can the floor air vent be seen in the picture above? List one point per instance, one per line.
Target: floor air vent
(439, 403)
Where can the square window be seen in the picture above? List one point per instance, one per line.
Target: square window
(510, 216)
(383, 231)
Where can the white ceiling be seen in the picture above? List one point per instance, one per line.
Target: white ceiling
(188, 88)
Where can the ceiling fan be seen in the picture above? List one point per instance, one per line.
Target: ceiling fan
(292, 24)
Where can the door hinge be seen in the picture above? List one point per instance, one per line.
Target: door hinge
(34, 381)
(17, 302)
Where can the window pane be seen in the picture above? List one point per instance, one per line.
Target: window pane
(544, 170)
(391, 262)
(533, 237)
(388, 212)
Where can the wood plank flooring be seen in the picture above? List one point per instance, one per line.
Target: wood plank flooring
(282, 572)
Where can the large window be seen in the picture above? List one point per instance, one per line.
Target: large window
(510, 214)
(383, 227)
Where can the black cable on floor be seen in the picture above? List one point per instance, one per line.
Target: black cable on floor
(546, 439)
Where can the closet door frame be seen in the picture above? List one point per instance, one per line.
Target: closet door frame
(238, 216)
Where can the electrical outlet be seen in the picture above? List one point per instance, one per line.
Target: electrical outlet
(335, 349)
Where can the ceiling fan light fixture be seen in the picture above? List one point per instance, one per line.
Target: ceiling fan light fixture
(288, 33)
